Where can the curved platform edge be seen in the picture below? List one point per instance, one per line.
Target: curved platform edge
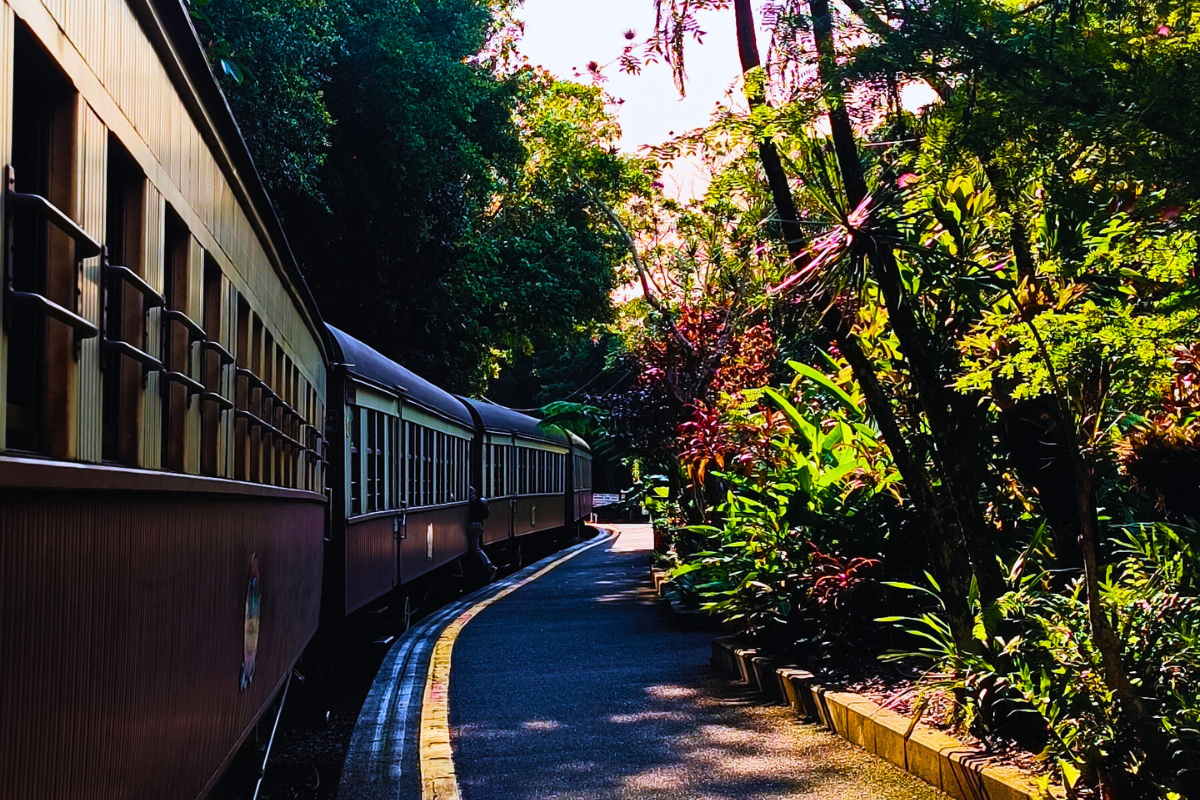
(400, 747)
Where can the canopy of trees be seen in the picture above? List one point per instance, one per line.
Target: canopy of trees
(432, 186)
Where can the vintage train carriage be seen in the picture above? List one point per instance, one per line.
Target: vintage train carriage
(400, 477)
(579, 492)
(162, 385)
(523, 472)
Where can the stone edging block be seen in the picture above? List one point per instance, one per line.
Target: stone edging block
(935, 757)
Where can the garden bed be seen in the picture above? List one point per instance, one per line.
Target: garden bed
(962, 769)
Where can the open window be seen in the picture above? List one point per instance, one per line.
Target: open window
(356, 477)
(41, 267)
(394, 461)
(214, 361)
(179, 332)
(241, 395)
(257, 396)
(126, 298)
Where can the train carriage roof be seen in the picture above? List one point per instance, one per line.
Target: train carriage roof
(362, 361)
(499, 419)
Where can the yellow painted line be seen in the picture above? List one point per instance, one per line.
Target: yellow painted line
(438, 779)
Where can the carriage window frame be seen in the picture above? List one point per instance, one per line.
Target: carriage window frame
(43, 348)
(125, 307)
(175, 349)
(213, 365)
(354, 454)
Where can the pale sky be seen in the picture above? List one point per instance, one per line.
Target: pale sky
(564, 35)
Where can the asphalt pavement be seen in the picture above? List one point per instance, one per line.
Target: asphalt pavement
(574, 688)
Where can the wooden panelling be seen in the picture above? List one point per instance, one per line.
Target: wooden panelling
(538, 513)
(124, 631)
(90, 197)
(449, 536)
(499, 524)
(370, 559)
(583, 504)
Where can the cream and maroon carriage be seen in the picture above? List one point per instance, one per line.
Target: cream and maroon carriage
(162, 390)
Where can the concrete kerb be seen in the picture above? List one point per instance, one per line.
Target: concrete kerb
(960, 771)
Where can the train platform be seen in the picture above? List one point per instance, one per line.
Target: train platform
(564, 681)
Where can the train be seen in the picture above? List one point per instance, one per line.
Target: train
(197, 473)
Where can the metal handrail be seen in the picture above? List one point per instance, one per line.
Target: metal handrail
(212, 397)
(215, 347)
(83, 329)
(151, 297)
(257, 422)
(251, 419)
(148, 362)
(193, 386)
(290, 441)
(251, 378)
(317, 431)
(175, 315)
(85, 245)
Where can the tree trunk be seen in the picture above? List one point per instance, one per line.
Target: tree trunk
(953, 442)
(952, 567)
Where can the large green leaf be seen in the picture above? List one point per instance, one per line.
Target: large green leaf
(823, 380)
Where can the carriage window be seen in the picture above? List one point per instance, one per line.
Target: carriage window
(464, 465)
(431, 467)
(212, 373)
(125, 307)
(492, 481)
(41, 263)
(452, 470)
(373, 448)
(439, 443)
(446, 474)
(256, 397)
(356, 503)
(394, 462)
(176, 343)
(410, 464)
(241, 426)
(267, 404)
(276, 382)
(378, 422)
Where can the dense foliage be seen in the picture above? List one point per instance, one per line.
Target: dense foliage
(990, 300)
(426, 180)
(927, 343)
